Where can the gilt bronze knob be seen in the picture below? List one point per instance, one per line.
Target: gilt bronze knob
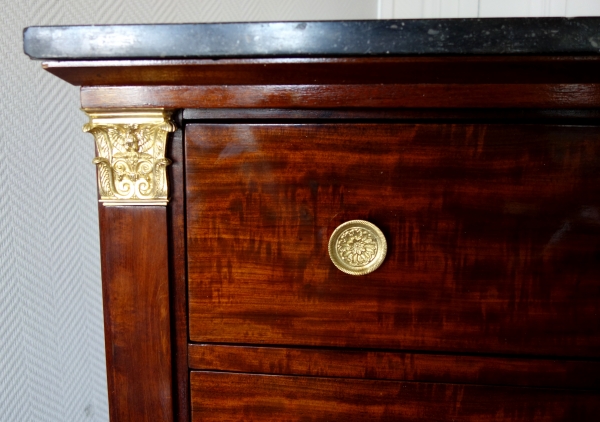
(357, 247)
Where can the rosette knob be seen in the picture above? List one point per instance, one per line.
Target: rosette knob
(357, 247)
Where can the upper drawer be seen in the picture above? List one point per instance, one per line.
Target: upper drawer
(493, 236)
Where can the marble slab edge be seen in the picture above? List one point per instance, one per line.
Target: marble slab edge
(498, 36)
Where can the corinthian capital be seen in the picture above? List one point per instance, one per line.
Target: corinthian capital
(131, 155)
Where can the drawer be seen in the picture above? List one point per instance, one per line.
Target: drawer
(221, 396)
(397, 366)
(493, 236)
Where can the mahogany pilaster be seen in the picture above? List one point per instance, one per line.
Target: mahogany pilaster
(135, 282)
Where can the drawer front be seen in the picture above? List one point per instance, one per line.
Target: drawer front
(493, 236)
(397, 366)
(221, 396)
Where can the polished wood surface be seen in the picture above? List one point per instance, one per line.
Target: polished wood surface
(432, 95)
(443, 115)
(319, 71)
(178, 278)
(219, 396)
(492, 230)
(423, 367)
(135, 275)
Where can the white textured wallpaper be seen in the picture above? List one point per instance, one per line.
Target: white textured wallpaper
(52, 364)
(415, 9)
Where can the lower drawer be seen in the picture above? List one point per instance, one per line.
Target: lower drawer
(222, 396)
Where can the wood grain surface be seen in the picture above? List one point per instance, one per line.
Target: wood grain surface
(218, 396)
(319, 71)
(178, 277)
(493, 236)
(432, 95)
(424, 367)
(135, 283)
(443, 115)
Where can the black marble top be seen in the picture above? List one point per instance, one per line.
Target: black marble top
(535, 36)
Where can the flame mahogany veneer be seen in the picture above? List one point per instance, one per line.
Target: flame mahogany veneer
(492, 264)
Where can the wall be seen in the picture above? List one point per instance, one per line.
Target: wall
(51, 334)
(414, 9)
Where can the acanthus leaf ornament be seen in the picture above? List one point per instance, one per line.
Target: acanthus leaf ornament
(131, 155)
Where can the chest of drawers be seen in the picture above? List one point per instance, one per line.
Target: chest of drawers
(229, 154)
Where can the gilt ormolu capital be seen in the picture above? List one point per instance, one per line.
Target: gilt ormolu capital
(131, 155)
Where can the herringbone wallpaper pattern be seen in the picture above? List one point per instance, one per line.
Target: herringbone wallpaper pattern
(52, 364)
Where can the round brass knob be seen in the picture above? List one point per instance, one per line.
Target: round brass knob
(357, 247)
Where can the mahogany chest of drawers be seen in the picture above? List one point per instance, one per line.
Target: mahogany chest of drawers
(463, 156)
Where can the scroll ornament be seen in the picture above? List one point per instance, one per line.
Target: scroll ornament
(131, 162)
